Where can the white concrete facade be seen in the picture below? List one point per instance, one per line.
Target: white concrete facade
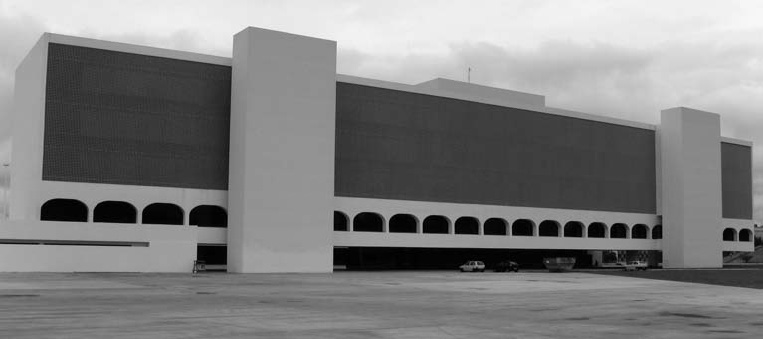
(280, 198)
(691, 187)
(420, 210)
(69, 247)
(281, 178)
(73, 250)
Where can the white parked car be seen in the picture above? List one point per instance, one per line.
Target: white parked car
(473, 266)
(636, 266)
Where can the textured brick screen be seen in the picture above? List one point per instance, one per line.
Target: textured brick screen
(398, 145)
(121, 118)
(736, 179)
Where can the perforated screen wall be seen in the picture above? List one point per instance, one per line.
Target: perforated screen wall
(736, 180)
(399, 145)
(121, 118)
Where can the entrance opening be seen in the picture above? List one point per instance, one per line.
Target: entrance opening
(467, 225)
(116, 212)
(368, 222)
(573, 229)
(402, 223)
(523, 227)
(597, 230)
(436, 224)
(340, 221)
(209, 216)
(548, 228)
(163, 214)
(63, 210)
(213, 255)
(495, 226)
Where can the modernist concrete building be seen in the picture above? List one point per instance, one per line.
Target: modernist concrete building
(131, 158)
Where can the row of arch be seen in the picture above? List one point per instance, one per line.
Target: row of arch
(438, 224)
(731, 234)
(113, 211)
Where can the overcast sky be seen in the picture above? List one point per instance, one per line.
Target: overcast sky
(625, 59)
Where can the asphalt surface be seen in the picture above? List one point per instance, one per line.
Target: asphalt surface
(372, 305)
(740, 276)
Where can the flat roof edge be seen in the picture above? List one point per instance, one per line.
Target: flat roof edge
(736, 141)
(541, 109)
(138, 49)
(599, 118)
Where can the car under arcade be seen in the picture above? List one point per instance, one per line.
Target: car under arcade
(399, 258)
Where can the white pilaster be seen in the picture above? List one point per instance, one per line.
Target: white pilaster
(281, 177)
(691, 188)
(28, 128)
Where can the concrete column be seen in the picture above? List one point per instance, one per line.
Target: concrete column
(281, 179)
(690, 148)
(28, 133)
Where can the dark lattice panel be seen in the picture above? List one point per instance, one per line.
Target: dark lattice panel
(736, 181)
(398, 145)
(121, 118)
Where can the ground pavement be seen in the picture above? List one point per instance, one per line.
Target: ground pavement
(372, 305)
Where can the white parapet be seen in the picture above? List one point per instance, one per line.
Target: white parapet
(281, 173)
(690, 145)
(54, 246)
(483, 93)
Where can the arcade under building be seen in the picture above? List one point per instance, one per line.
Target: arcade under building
(138, 159)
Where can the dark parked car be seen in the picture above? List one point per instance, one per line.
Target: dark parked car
(507, 266)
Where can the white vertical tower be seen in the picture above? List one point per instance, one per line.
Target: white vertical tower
(281, 177)
(28, 132)
(691, 188)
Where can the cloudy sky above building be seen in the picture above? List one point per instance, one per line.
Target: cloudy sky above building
(625, 59)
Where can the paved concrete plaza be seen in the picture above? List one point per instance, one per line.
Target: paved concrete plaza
(371, 305)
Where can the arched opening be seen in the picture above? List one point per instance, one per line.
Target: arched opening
(116, 212)
(340, 221)
(467, 225)
(495, 226)
(163, 214)
(745, 235)
(619, 231)
(523, 227)
(208, 216)
(63, 210)
(402, 223)
(436, 224)
(548, 228)
(639, 231)
(368, 222)
(597, 230)
(573, 229)
(729, 234)
(657, 232)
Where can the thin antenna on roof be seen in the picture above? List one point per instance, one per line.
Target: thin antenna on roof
(469, 75)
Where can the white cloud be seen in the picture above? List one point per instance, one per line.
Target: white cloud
(18, 33)
(626, 59)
